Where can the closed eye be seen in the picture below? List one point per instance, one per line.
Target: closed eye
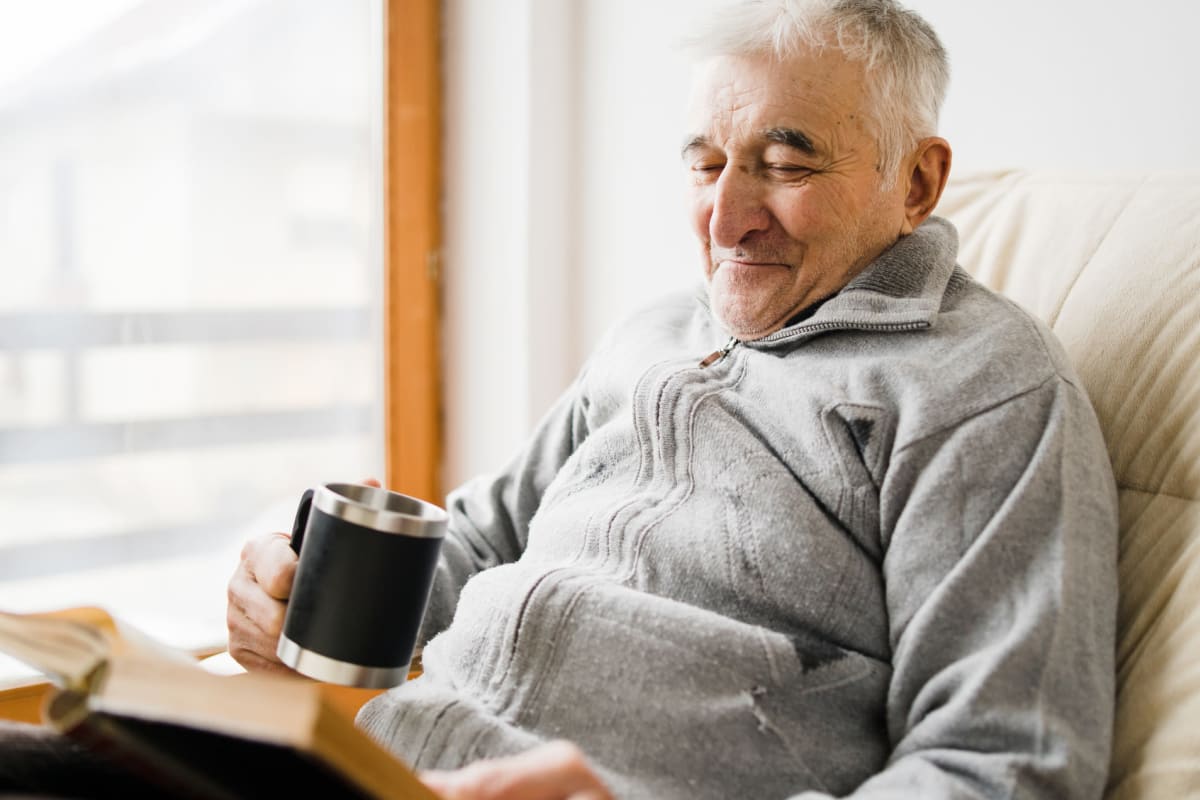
(706, 172)
(789, 171)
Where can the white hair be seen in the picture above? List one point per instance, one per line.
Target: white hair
(906, 66)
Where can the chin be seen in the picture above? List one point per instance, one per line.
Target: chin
(747, 312)
(743, 323)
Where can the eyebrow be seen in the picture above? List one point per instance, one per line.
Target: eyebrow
(789, 137)
(694, 143)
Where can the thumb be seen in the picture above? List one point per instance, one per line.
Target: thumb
(372, 482)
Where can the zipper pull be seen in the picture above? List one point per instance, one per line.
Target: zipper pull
(717, 355)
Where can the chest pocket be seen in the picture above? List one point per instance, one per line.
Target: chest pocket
(860, 440)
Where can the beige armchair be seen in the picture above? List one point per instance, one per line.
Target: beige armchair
(1112, 264)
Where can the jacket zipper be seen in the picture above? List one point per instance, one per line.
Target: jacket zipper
(717, 355)
(785, 334)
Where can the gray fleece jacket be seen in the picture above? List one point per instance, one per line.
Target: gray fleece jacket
(873, 553)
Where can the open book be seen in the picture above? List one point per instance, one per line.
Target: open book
(192, 733)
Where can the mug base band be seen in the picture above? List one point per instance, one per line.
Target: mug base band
(330, 670)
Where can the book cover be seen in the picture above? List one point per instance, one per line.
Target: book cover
(192, 734)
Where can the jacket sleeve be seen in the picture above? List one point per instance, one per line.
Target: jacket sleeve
(1000, 582)
(489, 515)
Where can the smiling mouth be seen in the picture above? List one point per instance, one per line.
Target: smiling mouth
(738, 262)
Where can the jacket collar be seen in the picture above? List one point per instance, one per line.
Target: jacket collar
(900, 290)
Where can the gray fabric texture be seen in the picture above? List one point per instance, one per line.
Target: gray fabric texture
(873, 554)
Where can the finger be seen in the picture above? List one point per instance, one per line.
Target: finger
(253, 617)
(271, 563)
(248, 633)
(372, 482)
(253, 648)
(554, 771)
(487, 782)
(248, 597)
(249, 643)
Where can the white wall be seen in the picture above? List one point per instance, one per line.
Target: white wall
(506, 323)
(1071, 84)
(563, 192)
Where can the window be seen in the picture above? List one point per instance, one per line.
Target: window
(190, 290)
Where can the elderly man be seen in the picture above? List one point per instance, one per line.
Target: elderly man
(842, 525)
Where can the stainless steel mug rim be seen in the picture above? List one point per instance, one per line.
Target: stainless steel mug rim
(332, 670)
(381, 510)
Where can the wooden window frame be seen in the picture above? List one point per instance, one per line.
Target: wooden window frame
(412, 200)
(412, 231)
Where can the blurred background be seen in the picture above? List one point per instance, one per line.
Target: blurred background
(190, 272)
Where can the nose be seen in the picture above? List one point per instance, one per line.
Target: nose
(738, 209)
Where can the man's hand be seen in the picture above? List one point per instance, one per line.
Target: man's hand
(554, 771)
(257, 596)
(258, 593)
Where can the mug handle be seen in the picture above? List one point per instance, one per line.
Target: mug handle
(301, 522)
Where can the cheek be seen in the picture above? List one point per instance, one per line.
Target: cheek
(800, 214)
(808, 211)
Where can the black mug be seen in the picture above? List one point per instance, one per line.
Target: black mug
(367, 561)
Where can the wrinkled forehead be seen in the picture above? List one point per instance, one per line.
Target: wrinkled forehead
(817, 90)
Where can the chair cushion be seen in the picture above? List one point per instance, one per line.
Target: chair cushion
(1112, 264)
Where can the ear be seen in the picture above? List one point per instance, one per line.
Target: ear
(928, 169)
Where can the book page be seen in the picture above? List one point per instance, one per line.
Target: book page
(71, 653)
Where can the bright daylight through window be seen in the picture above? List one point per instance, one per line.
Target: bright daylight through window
(190, 326)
